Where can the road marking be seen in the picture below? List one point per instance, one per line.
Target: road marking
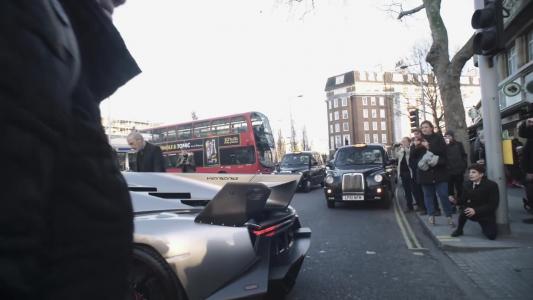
(409, 236)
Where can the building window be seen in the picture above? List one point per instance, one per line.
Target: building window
(339, 80)
(383, 125)
(345, 126)
(367, 138)
(375, 136)
(374, 113)
(365, 100)
(331, 142)
(382, 101)
(345, 114)
(336, 102)
(374, 125)
(384, 138)
(382, 113)
(330, 128)
(373, 101)
(512, 64)
(336, 115)
(338, 141)
(330, 117)
(365, 124)
(329, 104)
(365, 113)
(337, 128)
(346, 139)
(530, 46)
(344, 101)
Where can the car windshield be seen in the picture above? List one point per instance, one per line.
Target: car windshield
(359, 156)
(295, 160)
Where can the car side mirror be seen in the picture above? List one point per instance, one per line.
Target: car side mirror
(330, 165)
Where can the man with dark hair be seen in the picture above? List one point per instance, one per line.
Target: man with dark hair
(66, 219)
(457, 158)
(479, 202)
(149, 157)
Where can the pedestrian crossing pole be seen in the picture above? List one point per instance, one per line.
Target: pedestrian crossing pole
(487, 43)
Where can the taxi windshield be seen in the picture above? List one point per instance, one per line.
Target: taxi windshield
(359, 156)
(295, 160)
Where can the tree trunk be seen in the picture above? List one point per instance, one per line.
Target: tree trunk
(448, 73)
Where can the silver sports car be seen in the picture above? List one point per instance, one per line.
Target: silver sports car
(215, 236)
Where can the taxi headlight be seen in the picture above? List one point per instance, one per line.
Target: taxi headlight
(329, 179)
(378, 178)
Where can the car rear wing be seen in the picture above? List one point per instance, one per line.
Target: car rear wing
(198, 186)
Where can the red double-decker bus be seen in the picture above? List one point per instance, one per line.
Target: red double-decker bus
(241, 143)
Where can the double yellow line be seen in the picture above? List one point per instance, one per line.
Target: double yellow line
(407, 232)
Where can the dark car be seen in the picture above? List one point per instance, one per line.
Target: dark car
(361, 172)
(309, 164)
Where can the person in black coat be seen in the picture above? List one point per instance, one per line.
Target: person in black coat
(479, 202)
(435, 178)
(66, 220)
(149, 157)
(416, 152)
(525, 130)
(456, 163)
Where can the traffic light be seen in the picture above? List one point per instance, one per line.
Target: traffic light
(489, 20)
(414, 119)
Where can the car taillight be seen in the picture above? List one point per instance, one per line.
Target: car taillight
(268, 232)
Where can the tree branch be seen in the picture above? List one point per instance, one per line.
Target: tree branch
(404, 13)
(462, 56)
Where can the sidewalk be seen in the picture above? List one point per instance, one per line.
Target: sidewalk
(503, 268)
(521, 233)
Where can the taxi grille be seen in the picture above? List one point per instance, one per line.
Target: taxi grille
(353, 182)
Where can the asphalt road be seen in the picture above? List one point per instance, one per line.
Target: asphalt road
(358, 251)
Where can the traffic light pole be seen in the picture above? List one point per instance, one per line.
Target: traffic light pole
(492, 129)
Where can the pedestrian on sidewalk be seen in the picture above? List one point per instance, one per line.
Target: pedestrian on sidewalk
(479, 202)
(149, 156)
(525, 130)
(456, 162)
(416, 152)
(435, 178)
(405, 172)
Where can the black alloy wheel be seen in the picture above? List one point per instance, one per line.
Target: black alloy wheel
(151, 278)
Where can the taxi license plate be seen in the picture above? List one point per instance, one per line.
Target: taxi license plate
(353, 197)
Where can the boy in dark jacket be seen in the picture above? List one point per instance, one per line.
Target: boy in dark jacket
(479, 202)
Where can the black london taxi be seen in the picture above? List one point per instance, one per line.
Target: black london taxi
(309, 164)
(360, 172)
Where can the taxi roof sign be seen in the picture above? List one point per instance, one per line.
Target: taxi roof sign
(359, 145)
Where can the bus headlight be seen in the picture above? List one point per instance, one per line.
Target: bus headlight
(378, 178)
(329, 179)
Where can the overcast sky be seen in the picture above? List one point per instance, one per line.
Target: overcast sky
(222, 57)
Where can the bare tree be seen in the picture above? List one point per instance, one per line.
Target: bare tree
(194, 116)
(294, 143)
(305, 141)
(447, 71)
(427, 82)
